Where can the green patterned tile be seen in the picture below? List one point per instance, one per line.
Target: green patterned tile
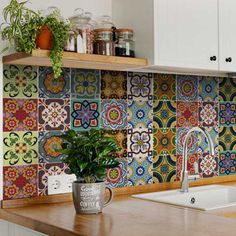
(20, 81)
(20, 148)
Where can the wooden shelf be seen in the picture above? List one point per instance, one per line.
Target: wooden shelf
(76, 60)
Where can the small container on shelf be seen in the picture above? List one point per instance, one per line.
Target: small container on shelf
(71, 44)
(103, 42)
(83, 31)
(125, 45)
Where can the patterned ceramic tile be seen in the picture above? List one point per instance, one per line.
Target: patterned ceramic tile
(20, 148)
(227, 138)
(187, 114)
(54, 114)
(85, 84)
(164, 114)
(49, 143)
(164, 87)
(85, 114)
(164, 141)
(227, 114)
(208, 89)
(202, 141)
(192, 158)
(121, 138)
(164, 168)
(227, 89)
(139, 171)
(140, 142)
(117, 177)
(20, 182)
(140, 86)
(114, 114)
(113, 85)
(20, 81)
(227, 163)
(208, 165)
(140, 114)
(208, 114)
(187, 88)
(192, 143)
(20, 114)
(49, 87)
(45, 170)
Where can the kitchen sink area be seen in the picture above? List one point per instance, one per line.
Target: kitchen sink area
(204, 198)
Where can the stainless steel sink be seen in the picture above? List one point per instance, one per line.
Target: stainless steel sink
(203, 198)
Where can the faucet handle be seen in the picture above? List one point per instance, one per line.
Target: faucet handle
(193, 177)
(195, 167)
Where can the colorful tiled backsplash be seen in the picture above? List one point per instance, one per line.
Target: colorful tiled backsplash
(148, 114)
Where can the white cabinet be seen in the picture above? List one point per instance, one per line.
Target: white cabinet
(4, 228)
(10, 229)
(182, 35)
(186, 33)
(227, 35)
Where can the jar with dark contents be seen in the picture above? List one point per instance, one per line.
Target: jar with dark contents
(103, 42)
(125, 45)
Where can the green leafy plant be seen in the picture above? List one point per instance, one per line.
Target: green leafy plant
(89, 154)
(59, 31)
(21, 28)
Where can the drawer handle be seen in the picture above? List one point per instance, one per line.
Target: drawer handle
(213, 58)
(229, 59)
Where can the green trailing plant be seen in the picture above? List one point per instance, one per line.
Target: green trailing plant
(21, 28)
(59, 31)
(89, 154)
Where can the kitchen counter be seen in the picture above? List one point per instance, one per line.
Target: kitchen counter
(126, 216)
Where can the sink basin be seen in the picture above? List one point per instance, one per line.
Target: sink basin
(203, 198)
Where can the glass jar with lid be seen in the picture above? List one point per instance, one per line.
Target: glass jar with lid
(83, 30)
(103, 42)
(125, 46)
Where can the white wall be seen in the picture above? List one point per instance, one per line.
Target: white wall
(67, 7)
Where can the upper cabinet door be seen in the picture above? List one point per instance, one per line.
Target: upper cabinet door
(227, 35)
(186, 33)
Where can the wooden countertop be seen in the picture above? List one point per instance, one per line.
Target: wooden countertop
(126, 216)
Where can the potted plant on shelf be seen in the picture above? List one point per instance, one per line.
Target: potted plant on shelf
(25, 29)
(89, 154)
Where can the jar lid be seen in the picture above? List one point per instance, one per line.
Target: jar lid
(103, 29)
(125, 30)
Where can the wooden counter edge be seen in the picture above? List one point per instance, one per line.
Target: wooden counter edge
(117, 192)
(35, 225)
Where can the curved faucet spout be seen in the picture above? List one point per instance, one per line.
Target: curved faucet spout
(184, 176)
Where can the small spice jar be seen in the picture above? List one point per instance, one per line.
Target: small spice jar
(103, 42)
(125, 45)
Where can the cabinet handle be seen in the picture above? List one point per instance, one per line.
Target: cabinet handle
(213, 58)
(229, 59)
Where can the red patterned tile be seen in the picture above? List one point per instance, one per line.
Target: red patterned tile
(54, 114)
(20, 114)
(20, 182)
(208, 114)
(187, 114)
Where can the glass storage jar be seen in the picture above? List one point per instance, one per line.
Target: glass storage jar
(103, 42)
(83, 30)
(125, 45)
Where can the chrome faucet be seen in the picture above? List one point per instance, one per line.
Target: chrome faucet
(185, 177)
